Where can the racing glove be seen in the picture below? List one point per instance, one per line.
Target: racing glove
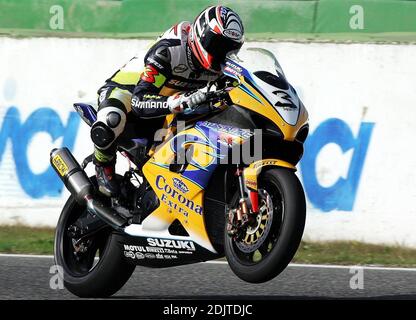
(186, 103)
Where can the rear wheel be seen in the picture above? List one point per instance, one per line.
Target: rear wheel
(269, 243)
(94, 268)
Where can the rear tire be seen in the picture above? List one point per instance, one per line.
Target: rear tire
(81, 276)
(283, 236)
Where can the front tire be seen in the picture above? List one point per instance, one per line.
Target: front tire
(263, 253)
(82, 274)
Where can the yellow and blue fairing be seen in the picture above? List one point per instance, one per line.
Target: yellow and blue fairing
(181, 194)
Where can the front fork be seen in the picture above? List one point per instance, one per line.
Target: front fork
(248, 207)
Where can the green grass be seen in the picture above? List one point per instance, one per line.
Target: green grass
(20, 239)
(355, 253)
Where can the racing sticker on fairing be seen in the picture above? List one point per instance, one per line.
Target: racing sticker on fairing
(159, 249)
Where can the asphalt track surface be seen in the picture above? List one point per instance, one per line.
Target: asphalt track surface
(28, 277)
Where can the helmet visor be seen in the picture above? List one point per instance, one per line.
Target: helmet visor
(218, 46)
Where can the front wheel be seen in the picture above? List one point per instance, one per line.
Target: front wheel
(96, 267)
(269, 244)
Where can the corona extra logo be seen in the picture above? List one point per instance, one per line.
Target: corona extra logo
(171, 194)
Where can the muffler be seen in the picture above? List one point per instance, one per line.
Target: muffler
(79, 185)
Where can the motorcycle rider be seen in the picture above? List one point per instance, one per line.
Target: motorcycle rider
(181, 62)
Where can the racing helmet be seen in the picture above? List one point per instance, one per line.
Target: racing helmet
(215, 32)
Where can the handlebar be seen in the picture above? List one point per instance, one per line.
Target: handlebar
(216, 95)
(212, 97)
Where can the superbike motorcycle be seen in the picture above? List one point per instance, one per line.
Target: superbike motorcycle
(182, 200)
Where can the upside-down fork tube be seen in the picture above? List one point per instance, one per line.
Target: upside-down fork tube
(76, 181)
(239, 174)
(251, 173)
(253, 195)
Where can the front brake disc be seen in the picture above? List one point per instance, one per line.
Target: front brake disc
(256, 234)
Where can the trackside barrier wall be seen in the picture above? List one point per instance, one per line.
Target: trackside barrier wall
(359, 166)
(341, 20)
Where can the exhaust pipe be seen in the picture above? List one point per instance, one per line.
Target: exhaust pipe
(79, 185)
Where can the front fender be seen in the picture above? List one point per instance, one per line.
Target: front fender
(251, 173)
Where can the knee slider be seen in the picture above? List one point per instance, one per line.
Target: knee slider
(102, 135)
(109, 125)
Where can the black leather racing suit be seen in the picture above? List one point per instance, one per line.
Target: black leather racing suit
(169, 68)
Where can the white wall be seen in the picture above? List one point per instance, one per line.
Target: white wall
(344, 86)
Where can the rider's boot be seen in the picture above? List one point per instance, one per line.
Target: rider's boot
(105, 174)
